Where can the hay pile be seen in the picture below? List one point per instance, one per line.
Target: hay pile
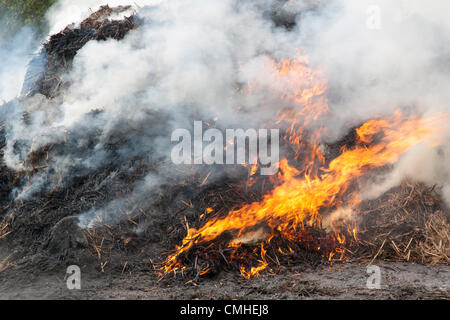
(406, 224)
(31, 226)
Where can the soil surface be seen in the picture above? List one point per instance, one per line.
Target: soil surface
(340, 281)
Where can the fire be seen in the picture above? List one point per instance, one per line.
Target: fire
(301, 198)
(255, 270)
(304, 90)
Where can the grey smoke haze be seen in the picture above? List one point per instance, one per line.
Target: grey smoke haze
(186, 60)
(15, 52)
(405, 62)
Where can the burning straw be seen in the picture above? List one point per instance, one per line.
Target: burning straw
(310, 213)
(405, 224)
(292, 212)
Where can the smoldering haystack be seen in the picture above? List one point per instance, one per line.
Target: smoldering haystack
(408, 223)
(44, 229)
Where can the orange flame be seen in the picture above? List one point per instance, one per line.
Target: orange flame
(300, 197)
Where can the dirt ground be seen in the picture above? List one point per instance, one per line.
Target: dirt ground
(340, 281)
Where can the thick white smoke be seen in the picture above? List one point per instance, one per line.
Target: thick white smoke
(15, 52)
(187, 58)
(67, 12)
(382, 55)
